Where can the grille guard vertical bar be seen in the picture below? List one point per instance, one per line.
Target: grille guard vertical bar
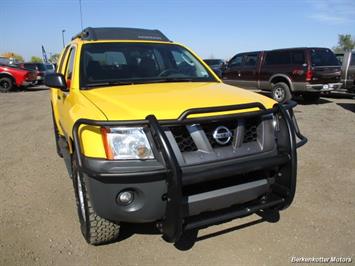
(172, 224)
(293, 152)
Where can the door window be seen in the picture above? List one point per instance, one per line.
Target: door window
(250, 59)
(236, 61)
(61, 63)
(69, 67)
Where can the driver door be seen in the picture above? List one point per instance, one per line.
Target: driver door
(232, 73)
(64, 98)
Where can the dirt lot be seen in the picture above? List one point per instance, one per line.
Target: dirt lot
(39, 225)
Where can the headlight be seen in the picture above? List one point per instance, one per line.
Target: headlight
(126, 143)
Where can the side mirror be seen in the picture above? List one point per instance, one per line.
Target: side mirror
(55, 80)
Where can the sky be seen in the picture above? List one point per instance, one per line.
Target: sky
(212, 28)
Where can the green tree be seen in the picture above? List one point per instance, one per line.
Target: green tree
(36, 59)
(13, 55)
(54, 58)
(345, 43)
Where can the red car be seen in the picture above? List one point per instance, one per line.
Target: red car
(11, 77)
(39, 68)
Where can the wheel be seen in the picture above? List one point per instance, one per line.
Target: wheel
(95, 229)
(311, 97)
(6, 84)
(281, 92)
(56, 136)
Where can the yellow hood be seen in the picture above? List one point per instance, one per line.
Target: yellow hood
(168, 100)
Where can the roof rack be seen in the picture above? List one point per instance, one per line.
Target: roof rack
(94, 34)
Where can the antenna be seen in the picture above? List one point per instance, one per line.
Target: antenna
(81, 15)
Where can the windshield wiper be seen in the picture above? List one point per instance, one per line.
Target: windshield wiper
(167, 80)
(118, 83)
(178, 79)
(107, 83)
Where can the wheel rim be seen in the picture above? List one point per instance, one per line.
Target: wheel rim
(4, 84)
(81, 197)
(279, 93)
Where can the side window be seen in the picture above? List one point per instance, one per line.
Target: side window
(61, 62)
(297, 57)
(352, 61)
(278, 58)
(250, 59)
(69, 67)
(236, 61)
(340, 58)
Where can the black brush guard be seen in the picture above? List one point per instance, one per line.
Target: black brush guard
(175, 222)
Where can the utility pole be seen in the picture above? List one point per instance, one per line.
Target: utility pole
(63, 38)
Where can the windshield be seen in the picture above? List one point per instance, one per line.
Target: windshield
(4, 61)
(121, 63)
(212, 62)
(323, 57)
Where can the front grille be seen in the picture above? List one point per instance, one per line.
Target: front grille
(186, 143)
(250, 133)
(183, 139)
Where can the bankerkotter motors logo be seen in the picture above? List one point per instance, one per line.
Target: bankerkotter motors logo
(321, 259)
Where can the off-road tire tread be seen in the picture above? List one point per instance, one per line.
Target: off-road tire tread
(100, 231)
(96, 230)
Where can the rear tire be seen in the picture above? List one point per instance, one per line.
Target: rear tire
(311, 97)
(281, 92)
(6, 84)
(95, 229)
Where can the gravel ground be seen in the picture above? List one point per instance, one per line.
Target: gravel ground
(39, 225)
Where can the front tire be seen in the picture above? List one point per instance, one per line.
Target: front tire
(95, 229)
(6, 84)
(281, 92)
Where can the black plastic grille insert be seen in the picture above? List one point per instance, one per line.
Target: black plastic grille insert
(183, 139)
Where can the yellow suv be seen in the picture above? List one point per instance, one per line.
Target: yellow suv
(149, 133)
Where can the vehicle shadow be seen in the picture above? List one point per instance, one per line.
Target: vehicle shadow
(301, 101)
(339, 95)
(29, 89)
(127, 230)
(189, 238)
(348, 106)
(34, 89)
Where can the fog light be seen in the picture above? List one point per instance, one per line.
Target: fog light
(125, 197)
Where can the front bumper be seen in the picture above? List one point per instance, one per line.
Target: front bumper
(26, 83)
(183, 197)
